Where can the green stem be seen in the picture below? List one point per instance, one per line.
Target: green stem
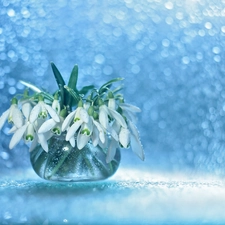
(59, 164)
(90, 167)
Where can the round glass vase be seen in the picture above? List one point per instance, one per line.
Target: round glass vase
(63, 162)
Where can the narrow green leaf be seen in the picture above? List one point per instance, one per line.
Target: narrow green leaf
(58, 76)
(85, 89)
(73, 78)
(31, 86)
(117, 89)
(108, 84)
(73, 93)
(60, 82)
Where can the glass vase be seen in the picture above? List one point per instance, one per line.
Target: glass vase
(66, 163)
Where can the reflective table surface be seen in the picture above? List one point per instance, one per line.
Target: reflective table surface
(129, 197)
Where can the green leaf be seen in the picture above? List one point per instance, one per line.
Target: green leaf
(60, 82)
(73, 78)
(58, 76)
(31, 86)
(85, 89)
(73, 93)
(108, 84)
(117, 89)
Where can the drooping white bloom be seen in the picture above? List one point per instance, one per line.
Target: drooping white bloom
(105, 112)
(28, 131)
(111, 150)
(84, 134)
(124, 137)
(13, 114)
(56, 106)
(135, 142)
(129, 111)
(51, 125)
(79, 114)
(74, 121)
(41, 110)
(103, 116)
(100, 130)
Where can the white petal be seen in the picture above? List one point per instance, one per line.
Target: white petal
(137, 147)
(72, 141)
(3, 118)
(17, 118)
(116, 126)
(26, 109)
(68, 120)
(56, 106)
(82, 140)
(95, 136)
(12, 130)
(101, 131)
(84, 115)
(124, 137)
(72, 130)
(86, 105)
(111, 151)
(118, 118)
(43, 142)
(33, 144)
(47, 126)
(17, 136)
(103, 117)
(112, 103)
(113, 134)
(52, 113)
(130, 107)
(133, 129)
(34, 113)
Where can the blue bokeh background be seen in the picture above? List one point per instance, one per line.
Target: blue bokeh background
(170, 53)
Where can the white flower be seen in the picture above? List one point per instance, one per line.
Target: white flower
(103, 116)
(51, 125)
(98, 133)
(124, 137)
(111, 150)
(84, 134)
(13, 114)
(29, 131)
(129, 111)
(135, 142)
(79, 116)
(56, 106)
(105, 111)
(41, 110)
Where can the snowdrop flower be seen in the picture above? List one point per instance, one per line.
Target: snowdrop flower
(105, 112)
(41, 110)
(13, 114)
(78, 117)
(84, 134)
(124, 137)
(28, 130)
(56, 104)
(52, 125)
(135, 142)
(129, 111)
